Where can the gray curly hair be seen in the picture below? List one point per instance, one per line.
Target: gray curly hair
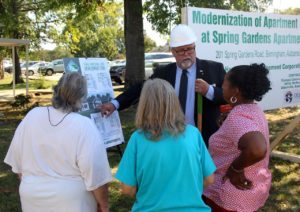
(69, 92)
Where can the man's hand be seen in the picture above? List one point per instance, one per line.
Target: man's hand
(201, 86)
(107, 109)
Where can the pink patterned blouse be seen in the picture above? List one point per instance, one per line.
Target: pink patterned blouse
(223, 147)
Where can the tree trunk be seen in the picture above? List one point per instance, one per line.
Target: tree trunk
(15, 32)
(1, 68)
(134, 42)
(17, 68)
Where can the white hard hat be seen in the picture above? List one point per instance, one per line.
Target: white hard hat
(182, 35)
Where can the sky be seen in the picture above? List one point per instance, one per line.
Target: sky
(161, 40)
(285, 4)
(154, 35)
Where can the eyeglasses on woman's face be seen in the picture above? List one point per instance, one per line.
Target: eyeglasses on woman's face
(183, 51)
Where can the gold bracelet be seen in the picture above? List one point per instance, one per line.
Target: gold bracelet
(235, 170)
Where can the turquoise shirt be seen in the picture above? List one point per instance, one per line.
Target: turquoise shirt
(168, 173)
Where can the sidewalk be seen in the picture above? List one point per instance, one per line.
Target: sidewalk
(7, 95)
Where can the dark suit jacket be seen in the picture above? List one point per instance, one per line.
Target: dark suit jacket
(212, 72)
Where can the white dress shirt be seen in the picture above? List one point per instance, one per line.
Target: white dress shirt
(190, 100)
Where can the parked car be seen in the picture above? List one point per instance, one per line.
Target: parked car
(33, 69)
(56, 66)
(159, 56)
(155, 59)
(6, 63)
(152, 61)
(22, 65)
(117, 71)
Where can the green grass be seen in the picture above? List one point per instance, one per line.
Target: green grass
(284, 194)
(278, 120)
(285, 190)
(9, 197)
(40, 83)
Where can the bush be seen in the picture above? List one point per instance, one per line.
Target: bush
(40, 83)
(21, 101)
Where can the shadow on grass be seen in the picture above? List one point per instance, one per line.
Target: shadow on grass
(10, 86)
(291, 143)
(285, 190)
(9, 189)
(9, 183)
(284, 194)
(7, 83)
(119, 202)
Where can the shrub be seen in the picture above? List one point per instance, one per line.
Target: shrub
(21, 101)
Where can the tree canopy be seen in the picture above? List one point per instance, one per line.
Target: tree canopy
(92, 28)
(30, 19)
(162, 14)
(98, 34)
(149, 43)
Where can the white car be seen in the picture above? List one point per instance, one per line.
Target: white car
(156, 58)
(159, 57)
(22, 66)
(33, 69)
(6, 63)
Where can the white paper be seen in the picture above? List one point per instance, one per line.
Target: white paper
(100, 90)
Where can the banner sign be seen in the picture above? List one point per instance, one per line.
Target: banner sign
(241, 38)
(100, 90)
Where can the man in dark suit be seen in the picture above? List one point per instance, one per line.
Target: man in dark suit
(189, 76)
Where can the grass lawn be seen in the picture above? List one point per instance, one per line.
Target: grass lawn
(284, 195)
(36, 82)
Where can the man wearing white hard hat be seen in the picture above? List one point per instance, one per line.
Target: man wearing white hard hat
(189, 76)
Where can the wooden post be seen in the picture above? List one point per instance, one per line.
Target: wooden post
(287, 130)
(286, 156)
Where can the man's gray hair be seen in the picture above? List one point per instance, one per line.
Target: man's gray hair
(69, 92)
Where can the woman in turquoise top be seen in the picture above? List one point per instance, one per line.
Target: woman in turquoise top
(166, 163)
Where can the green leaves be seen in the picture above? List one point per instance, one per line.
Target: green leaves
(97, 33)
(164, 14)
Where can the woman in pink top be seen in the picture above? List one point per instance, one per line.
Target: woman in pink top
(240, 148)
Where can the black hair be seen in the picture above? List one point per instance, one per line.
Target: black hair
(251, 79)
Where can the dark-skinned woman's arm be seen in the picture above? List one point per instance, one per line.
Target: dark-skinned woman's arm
(253, 149)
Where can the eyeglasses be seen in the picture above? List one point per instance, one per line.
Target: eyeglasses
(182, 52)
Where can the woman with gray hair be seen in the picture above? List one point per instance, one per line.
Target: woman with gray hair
(60, 156)
(166, 163)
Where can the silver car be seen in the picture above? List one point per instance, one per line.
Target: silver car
(56, 66)
(33, 69)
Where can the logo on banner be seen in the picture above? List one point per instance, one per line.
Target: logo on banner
(292, 96)
(289, 97)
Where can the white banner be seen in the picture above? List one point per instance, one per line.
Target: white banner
(241, 38)
(100, 90)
